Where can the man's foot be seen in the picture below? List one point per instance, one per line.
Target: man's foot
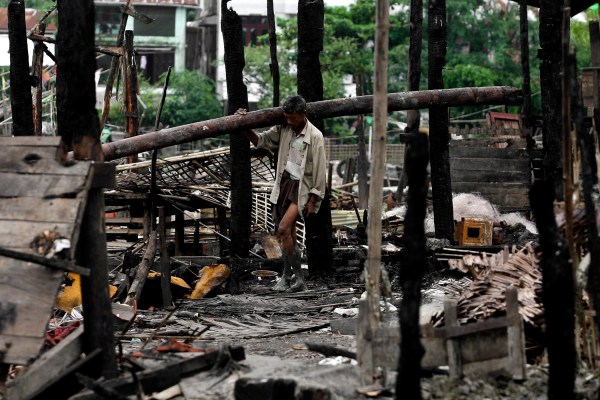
(282, 285)
(299, 286)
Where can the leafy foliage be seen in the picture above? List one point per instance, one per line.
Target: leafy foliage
(190, 98)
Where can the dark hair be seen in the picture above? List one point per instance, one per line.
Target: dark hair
(294, 104)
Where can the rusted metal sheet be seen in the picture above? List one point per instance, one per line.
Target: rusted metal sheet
(316, 110)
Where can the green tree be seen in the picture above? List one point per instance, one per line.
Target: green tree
(190, 98)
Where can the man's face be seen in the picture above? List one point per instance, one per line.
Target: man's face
(295, 120)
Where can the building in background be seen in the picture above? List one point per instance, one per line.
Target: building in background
(159, 44)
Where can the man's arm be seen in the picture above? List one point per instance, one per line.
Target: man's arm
(252, 137)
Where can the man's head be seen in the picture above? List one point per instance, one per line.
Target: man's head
(294, 110)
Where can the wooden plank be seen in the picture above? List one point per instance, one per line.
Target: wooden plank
(488, 152)
(38, 161)
(487, 187)
(24, 287)
(515, 335)
(41, 186)
(515, 142)
(489, 164)
(21, 350)
(34, 141)
(522, 177)
(47, 366)
(453, 346)
(386, 349)
(39, 210)
(19, 234)
(27, 294)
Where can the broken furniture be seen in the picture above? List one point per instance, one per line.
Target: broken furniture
(194, 188)
(44, 204)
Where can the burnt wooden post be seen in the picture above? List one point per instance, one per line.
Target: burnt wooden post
(594, 29)
(132, 123)
(38, 71)
(525, 79)
(20, 80)
(78, 126)
(274, 65)
(165, 265)
(441, 185)
(179, 233)
(362, 162)
(411, 269)
(550, 68)
(222, 222)
(196, 238)
(311, 14)
(237, 95)
(114, 67)
(557, 294)
(587, 149)
(413, 120)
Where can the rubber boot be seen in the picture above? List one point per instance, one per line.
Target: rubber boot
(296, 263)
(284, 283)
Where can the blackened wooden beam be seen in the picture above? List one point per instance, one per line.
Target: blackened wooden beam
(320, 109)
(20, 80)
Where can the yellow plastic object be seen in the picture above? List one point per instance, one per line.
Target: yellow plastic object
(211, 277)
(70, 296)
(175, 280)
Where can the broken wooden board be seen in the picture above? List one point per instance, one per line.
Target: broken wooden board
(38, 194)
(493, 345)
(47, 367)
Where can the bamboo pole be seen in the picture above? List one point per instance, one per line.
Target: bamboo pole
(316, 110)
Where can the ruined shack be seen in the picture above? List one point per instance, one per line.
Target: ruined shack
(475, 275)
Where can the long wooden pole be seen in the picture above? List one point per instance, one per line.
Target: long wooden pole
(316, 110)
(380, 109)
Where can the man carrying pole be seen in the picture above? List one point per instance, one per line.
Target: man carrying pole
(300, 181)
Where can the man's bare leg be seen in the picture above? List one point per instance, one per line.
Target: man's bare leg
(287, 235)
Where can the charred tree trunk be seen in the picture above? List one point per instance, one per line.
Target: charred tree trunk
(78, 126)
(241, 180)
(557, 284)
(550, 68)
(20, 80)
(526, 109)
(274, 66)
(414, 80)
(439, 146)
(411, 271)
(311, 13)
